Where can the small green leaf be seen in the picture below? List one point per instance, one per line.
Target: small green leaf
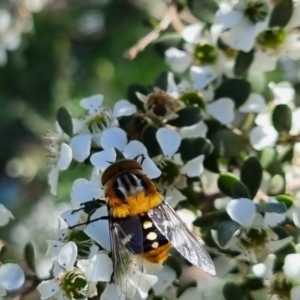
(287, 154)
(204, 10)
(166, 41)
(150, 141)
(239, 190)
(228, 143)
(64, 120)
(233, 291)
(271, 207)
(30, 256)
(286, 199)
(211, 219)
(243, 62)
(253, 283)
(282, 118)
(251, 175)
(281, 13)
(226, 230)
(133, 98)
(193, 147)
(267, 157)
(236, 89)
(162, 81)
(276, 185)
(211, 164)
(226, 182)
(187, 116)
(174, 263)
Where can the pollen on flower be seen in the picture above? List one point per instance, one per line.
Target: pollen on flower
(256, 11)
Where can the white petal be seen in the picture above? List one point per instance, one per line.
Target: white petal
(81, 146)
(68, 255)
(263, 61)
(99, 230)
(291, 265)
(104, 158)
(192, 33)
(197, 130)
(265, 269)
(145, 282)
(174, 196)
(262, 137)
(273, 219)
(124, 108)
(100, 268)
(275, 245)
(150, 168)
(92, 104)
(292, 45)
(227, 18)
(134, 148)
(284, 92)
(169, 141)
(202, 77)
(255, 103)
(53, 180)
(54, 247)
(178, 60)
(194, 167)
(187, 216)
(296, 216)
(5, 215)
(222, 110)
(48, 288)
(165, 278)
(71, 217)
(114, 137)
(84, 190)
(295, 293)
(242, 211)
(172, 88)
(110, 293)
(223, 265)
(242, 36)
(11, 276)
(65, 157)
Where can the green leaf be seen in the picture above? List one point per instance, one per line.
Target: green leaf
(166, 41)
(271, 207)
(267, 157)
(226, 182)
(286, 199)
(174, 263)
(150, 141)
(236, 89)
(239, 190)
(204, 10)
(193, 147)
(282, 118)
(211, 164)
(30, 256)
(251, 175)
(281, 13)
(186, 117)
(276, 185)
(287, 154)
(132, 97)
(233, 291)
(226, 230)
(162, 81)
(243, 62)
(64, 120)
(211, 219)
(228, 143)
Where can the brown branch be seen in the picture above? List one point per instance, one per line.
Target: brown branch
(132, 52)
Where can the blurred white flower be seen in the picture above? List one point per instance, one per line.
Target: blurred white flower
(5, 215)
(11, 278)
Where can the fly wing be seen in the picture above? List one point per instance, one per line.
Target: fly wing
(127, 265)
(171, 226)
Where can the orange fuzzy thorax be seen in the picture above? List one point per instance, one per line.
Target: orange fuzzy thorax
(139, 202)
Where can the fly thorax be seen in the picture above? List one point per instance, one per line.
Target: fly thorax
(129, 184)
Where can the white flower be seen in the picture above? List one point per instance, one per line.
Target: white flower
(86, 273)
(174, 171)
(60, 155)
(263, 136)
(222, 110)
(11, 278)
(98, 120)
(255, 103)
(244, 21)
(265, 269)
(255, 239)
(291, 267)
(178, 60)
(5, 215)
